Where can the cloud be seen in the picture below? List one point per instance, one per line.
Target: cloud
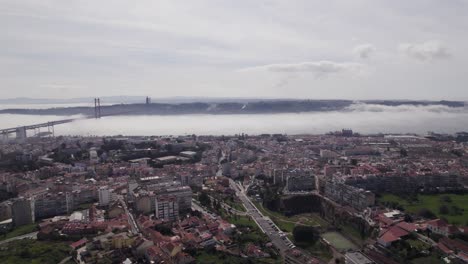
(364, 51)
(319, 68)
(429, 50)
(285, 81)
(437, 108)
(197, 48)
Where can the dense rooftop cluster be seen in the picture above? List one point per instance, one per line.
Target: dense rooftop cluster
(179, 199)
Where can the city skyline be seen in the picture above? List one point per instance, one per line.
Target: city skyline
(217, 131)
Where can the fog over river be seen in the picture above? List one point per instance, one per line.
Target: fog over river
(361, 118)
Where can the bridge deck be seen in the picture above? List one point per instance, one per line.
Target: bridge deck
(35, 126)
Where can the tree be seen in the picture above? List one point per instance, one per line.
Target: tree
(408, 218)
(217, 205)
(446, 199)
(403, 152)
(204, 199)
(426, 213)
(443, 209)
(164, 230)
(306, 234)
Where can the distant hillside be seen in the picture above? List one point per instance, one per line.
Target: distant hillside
(255, 107)
(134, 100)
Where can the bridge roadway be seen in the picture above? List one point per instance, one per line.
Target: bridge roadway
(21, 130)
(35, 126)
(277, 237)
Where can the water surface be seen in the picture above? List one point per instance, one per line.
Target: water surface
(360, 118)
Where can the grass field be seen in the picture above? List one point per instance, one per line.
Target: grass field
(433, 202)
(418, 244)
(236, 205)
(338, 241)
(85, 206)
(22, 230)
(243, 221)
(317, 249)
(33, 252)
(286, 223)
(352, 233)
(255, 235)
(216, 257)
(204, 257)
(427, 260)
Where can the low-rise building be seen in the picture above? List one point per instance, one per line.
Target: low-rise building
(357, 258)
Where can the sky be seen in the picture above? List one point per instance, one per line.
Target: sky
(310, 49)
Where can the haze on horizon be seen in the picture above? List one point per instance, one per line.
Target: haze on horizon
(362, 49)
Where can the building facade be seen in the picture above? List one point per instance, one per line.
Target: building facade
(167, 208)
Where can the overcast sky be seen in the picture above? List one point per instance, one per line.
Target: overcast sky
(359, 49)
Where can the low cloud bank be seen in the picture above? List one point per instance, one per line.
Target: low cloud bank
(363, 107)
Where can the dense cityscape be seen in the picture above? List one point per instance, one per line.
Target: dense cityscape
(233, 132)
(272, 198)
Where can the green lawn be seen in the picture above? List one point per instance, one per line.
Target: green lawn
(433, 202)
(316, 249)
(284, 226)
(236, 205)
(242, 221)
(30, 251)
(286, 223)
(22, 230)
(427, 260)
(204, 257)
(418, 244)
(216, 257)
(353, 233)
(85, 206)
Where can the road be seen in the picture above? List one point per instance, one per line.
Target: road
(277, 237)
(131, 220)
(65, 260)
(30, 236)
(426, 239)
(227, 207)
(197, 207)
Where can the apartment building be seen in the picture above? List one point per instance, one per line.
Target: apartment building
(167, 208)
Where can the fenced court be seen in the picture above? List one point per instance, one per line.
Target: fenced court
(338, 241)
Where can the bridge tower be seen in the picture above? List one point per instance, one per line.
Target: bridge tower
(21, 133)
(51, 129)
(97, 108)
(5, 137)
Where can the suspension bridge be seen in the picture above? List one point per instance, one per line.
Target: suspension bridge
(21, 132)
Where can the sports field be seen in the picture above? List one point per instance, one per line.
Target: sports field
(338, 241)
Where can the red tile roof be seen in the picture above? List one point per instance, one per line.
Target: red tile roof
(393, 233)
(407, 226)
(444, 249)
(79, 243)
(437, 223)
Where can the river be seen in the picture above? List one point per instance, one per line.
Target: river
(361, 118)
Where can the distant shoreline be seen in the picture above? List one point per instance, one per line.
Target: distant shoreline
(255, 107)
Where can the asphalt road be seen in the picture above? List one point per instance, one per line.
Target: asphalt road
(277, 237)
(131, 220)
(30, 236)
(197, 207)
